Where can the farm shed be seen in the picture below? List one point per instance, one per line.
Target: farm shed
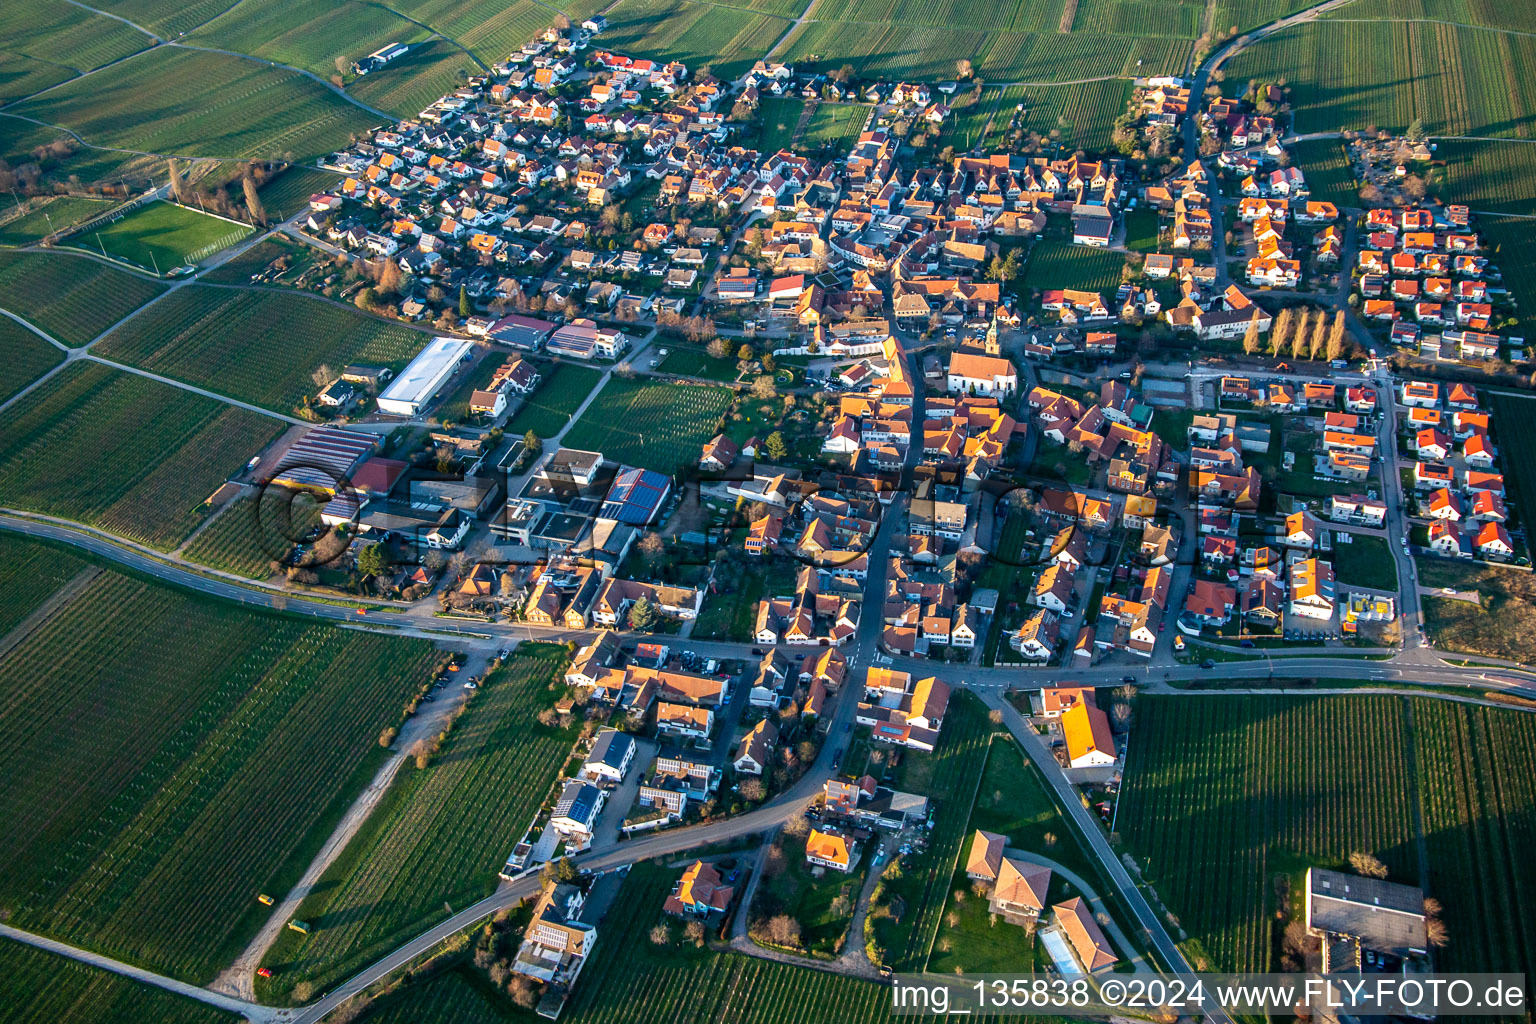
(414, 388)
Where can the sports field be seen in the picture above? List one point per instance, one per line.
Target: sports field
(161, 236)
(24, 357)
(70, 297)
(41, 988)
(204, 104)
(49, 215)
(169, 757)
(1054, 265)
(257, 346)
(123, 453)
(441, 834)
(725, 39)
(562, 389)
(651, 425)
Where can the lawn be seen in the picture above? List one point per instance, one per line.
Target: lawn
(171, 756)
(781, 116)
(1141, 227)
(40, 988)
(1012, 802)
(835, 126)
(123, 453)
(72, 298)
(27, 357)
(161, 236)
(653, 425)
(1062, 265)
(729, 610)
(43, 218)
(906, 906)
(692, 362)
(204, 336)
(1364, 561)
(561, 391)
(251, 532)
(200, 103)
(442, 834)
(823, 905)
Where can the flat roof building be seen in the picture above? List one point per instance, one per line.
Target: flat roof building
(410, 392)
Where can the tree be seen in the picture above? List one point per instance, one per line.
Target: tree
(1251, 343)
(643, 614)
(717, 348)
(695, 932)
(963, 69)
(775, 446)
(652, 544)
(1280, 332)
(1367, 864)
(661, 935)
(252, 200)
(1416, 132)
(372, 561)
(321, 375)
(1299, 337)
(745, 352)
(178, 183)
(464, 307)
(784, 930)
(752, 789)
(1319, 342)
(764, 387)
(532, 441)
(1338, 338)
(392, 278)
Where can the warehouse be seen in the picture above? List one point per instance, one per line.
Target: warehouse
(410, 392)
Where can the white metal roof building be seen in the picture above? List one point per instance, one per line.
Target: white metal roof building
(410, 392)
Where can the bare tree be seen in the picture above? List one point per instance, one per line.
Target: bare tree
(784, 930)
(252, 200)
(1367, 864)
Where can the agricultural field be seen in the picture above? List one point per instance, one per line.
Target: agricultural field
(1139, 18)
(49, 215)
(726, 39)
(1078, 115)
(1458, 81)
(651, 425)
(950, 778)
(67, 35)
(37, 987)
(171, 756)
(69, 297)
(491, 30)
(1062, 265)
(259, 258)
(1509, 242)
(1487, 176)
(1225, 795)
(630, 980)
(26, 357)
(1511, 413)
(59, 157)
(835, 126)
(246, 537)
(442, 832)
(170, 18)
(561, 391)
(1325, 162)
(289, 192)
(1236, 16)
(159, 237)
(1475, 781)
(1484, 13)
(122, 452)
(29, 574)
(410, 83)
(22, 76)
(203, 335)
(225, 106)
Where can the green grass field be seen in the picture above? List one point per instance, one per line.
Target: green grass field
(654, 426)
(561, 391)
(692, 362)
(1366, 561)
(1506, 238)
(443, 833)
(123, 453)
(170, 757)
(726, 39)
(1517, 456)
(821, 901)
(781, 116)
(50, 215)
(1062, 265)
(72, 298)
(202, 104)
(835, 126)
(26, 357)
(203, 336)
(1141, 227)
(160, 237)
(251, 532)
(41, 988)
